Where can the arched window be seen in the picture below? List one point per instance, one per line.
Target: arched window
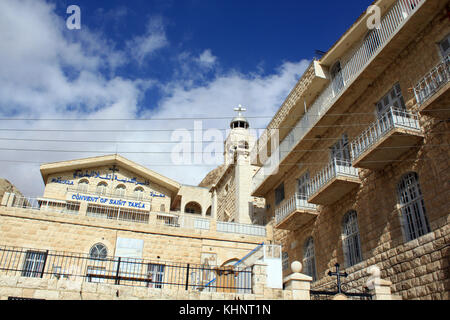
(336, 78)
(120, 190)
(139, 193)
(350, 239)
(413, 215)
(83, 185)
(101, 188)
(193, 207)
(309, 260)
(98, 251)
(208, 211)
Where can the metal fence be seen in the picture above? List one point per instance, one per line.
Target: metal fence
(47, 264)
(438, 77)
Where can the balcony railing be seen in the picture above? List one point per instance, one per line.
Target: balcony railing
(437, 78)
(296, 202)
(391, 119)
(169, 219)
(334, 169)
(248, 229)
(390, 24)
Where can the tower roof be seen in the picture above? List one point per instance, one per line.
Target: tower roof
(239, 121)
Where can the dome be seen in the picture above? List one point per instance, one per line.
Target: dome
(239, 122)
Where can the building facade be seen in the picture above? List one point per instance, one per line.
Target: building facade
(362, 170)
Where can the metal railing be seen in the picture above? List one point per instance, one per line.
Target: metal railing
(172, 219)
(47, 264)
(46, 205)
(438, 77)
(117, 213)
(390, 24)
(335, 168)
(296, 202)
(183, 221)
(391, 119)
(249, 229)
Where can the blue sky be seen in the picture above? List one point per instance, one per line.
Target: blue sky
(145, 59)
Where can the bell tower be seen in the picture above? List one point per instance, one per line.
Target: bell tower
(239, 140)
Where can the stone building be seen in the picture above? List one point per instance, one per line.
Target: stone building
(361, 175)
(357, 175)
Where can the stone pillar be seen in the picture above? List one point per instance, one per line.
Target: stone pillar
(5, 199)
(298, 283)
(10, 202)
(380, 289)
(214, 203)
(259, 275)
(243, 180)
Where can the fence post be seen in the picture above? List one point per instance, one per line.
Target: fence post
(299, 283)
(187, 277)
(118, 272)
(45, 262)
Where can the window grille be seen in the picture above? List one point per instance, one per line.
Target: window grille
(156, 273)
(303, 186)
(279, 194)
(413, 213)
(444, 45)
(309, 260)
(351, 241)
(34, 264)
(285, 260)
(393, 98)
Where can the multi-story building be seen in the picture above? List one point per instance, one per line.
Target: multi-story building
(361, 173)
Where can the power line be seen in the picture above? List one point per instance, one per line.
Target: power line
(183, 129)
(150, 141)
(198, 152)
(215, 165)
(189, 118)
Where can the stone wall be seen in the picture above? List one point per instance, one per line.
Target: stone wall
(48, 230)
(62, 289)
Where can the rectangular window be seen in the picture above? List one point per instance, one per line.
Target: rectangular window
(279, 194)
(341, 151)
(393, 98)
(444, 45)
(34, 264)
(303, 186)
(155, 272)
(285, 260)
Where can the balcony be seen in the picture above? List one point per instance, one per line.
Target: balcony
(333, 182)
(295, 213)
(396, 132)
(432, 92)
(359, 67)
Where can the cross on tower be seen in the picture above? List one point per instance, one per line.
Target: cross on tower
(338, 275)
(240, 109)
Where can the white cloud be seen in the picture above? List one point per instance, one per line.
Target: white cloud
(144, 46)
(49, 72)
(206, 59)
